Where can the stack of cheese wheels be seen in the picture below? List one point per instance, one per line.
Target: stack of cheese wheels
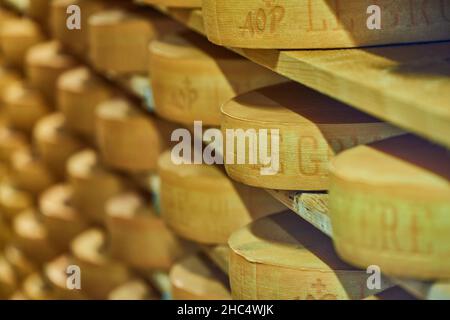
(8, 280)
(176, 3)
(128, 139)
(73, 38)
(301, 24)
(200, 203)
(61, 219)
(45, 62)
(298, 130)
(389, 205)
(92, 184)
(13, 201)
(54, 143)
(196, 278)
(31, 236)
(135, 289)
(118, 39)
(36, 287)
(192, 78)
(138, 236)
(80, 91)
(16, 37)
(283, 257)
(57, 273)
(29, 173)
(24, 106)
(7, 77)
(100, 273)
(11, 141)
(21, 264)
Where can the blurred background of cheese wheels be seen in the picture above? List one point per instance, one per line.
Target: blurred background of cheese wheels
(62, 220)
(54, 143)
(80, 91)
(200, 203)
(36, 287)
(10, 141)
(138, 236)
(101, 274)
(21, 264)
(92, 184)
(196, 278)
(118, 39)
(176, 3)
(56, 275)
(283, 257)
(312, 128)
(29, 173)
(16, 37)
(192, 78)
(129, 139)
(8, 77)
(38, 10)
(5, 232)
(31, 236)
(135, 289)
(8, 280)
(389, 205)
(45, 62)
(24, 106)
(13, 201)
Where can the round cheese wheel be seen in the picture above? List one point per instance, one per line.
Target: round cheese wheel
(38, 10)
(200, 203)
(389, 204)
(36, 287)
(129, 139)
(45, 62)
(31, 236)
(8, 280)
(92, 184)
(10, 142)
(80, 91)
(118, 39)
(176, 3)
(298, 129)
(76, 40)
(13, 201)
(56, 274)
(61, 219)
(195, 278)
(21, 264)
(135, 289)
(16, 37)
(29, 173)
(283, 257)
(301, 24)
(138, 236)
(24, 106)
(101, 274)
(192, 78)
(54, 143)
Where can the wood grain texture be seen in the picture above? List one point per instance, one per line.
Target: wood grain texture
(308, 24)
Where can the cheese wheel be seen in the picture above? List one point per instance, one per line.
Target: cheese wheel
(298, 129)
(76, 40)
(389, 204)
(36, 287)
(80, 91)
(13, 201)
(100, 273)
(16, 37)
(135, 289)
(138, 236)
(118, 39)
(200, 203)
(24, 106)
(56, 274)
(92, 184)
(195, 278)
(61, 219)
(45, 62)
(302, 24)
(10, 142)
(21, 264)
(176, 3)
(54, 143)
(128, 139)
(8, 280)
(29, 173)
(31, 236)
(192, 78)
(283, 257)
(38, 10)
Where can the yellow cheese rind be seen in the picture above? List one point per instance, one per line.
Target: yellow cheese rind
(307, 24)
(312, 128)
(176, 3)
(389, 204)
(282, 257)
(192, 78)
(200, 203)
